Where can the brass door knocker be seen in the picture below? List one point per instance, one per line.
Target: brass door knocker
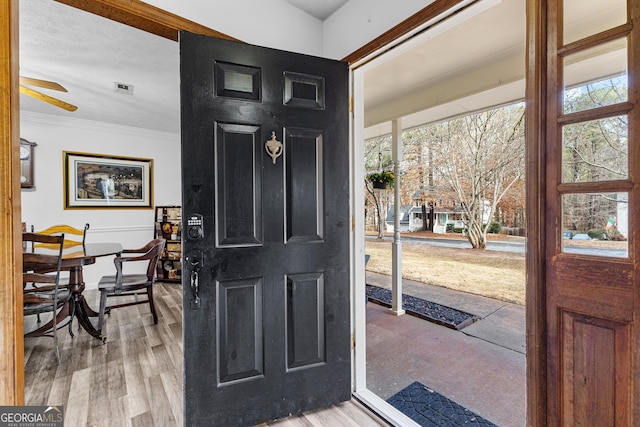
(273, 147)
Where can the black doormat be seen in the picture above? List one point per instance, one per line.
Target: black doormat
(440, 314)
(429, 408)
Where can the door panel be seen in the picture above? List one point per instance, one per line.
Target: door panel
(595, 358)
(270, 334)
(238, 185)
(304, 185)
(240, 330)
(305, 325)
(237, 81)
(304, 91)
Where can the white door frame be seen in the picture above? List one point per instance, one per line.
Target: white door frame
(427, 30)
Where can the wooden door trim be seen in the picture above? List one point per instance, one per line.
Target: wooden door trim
(536, 117)
(11, 353)
(11, 339)
(137, 14)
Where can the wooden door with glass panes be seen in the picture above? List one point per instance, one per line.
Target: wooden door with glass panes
(591, 177)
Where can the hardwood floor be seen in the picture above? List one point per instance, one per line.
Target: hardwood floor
(135, 379)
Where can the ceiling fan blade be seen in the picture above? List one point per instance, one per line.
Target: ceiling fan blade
(42, 83)
(46, 98)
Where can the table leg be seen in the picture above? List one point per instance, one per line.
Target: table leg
(83, 319)
(72, 315)
(90, 312)
(81, 309)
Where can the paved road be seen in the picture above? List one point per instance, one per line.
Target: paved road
(515, 246)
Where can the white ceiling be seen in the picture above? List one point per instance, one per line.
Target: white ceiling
(473, 60)
(320, 9)
(86, 54)
(441, 73)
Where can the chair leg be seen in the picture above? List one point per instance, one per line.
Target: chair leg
(55, 333)
(102, 327)
(55, 343)
(151, 304)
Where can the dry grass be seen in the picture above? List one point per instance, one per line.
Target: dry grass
(498, 275)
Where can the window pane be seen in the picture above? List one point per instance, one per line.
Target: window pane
(596, 150)
(596, 224)
(596, 77)
(583, 18)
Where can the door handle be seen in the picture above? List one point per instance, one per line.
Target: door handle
(195, 262)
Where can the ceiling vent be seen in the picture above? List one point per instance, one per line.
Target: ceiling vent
(123, 88)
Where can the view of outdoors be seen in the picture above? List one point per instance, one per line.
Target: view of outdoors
(462, 221)
(466, 175)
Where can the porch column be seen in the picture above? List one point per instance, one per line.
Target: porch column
(396, 271)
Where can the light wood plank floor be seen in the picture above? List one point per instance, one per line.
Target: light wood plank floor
(135, 379)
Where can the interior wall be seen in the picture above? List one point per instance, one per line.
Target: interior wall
(277, 24)
(360, 21)
(44, 206)
(269, 23)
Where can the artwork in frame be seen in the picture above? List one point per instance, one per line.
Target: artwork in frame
(101, 181)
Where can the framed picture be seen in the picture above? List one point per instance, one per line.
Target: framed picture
(101, 181)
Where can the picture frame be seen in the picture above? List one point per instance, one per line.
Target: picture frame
(103, 181)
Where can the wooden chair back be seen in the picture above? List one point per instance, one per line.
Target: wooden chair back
(64, 230)
(41, 288)
(151, 253)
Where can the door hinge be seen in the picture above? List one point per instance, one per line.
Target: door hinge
(351, 104)
(353, 340)
(353, 223)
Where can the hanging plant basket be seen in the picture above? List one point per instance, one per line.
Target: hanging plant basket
(381, 179)
(380, 185)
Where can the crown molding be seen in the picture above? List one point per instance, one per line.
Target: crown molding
(50, 119)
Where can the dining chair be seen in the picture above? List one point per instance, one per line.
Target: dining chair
(121, 284)
(42, 291)
(66, 230)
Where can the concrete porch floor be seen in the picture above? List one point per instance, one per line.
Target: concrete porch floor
(481, 367)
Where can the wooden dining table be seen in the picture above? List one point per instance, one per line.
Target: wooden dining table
(73, 260)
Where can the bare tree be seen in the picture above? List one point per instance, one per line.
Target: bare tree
(418, 170)
(377, 159)
(596, 150)
(380, 201)
(479, 158)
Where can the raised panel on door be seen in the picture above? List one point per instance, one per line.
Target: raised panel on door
(238, 175)
(595, 359)
(304, 185)
(305, 320)
(239, 334)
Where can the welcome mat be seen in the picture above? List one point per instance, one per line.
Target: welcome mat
(429, 408)
(440, 314)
